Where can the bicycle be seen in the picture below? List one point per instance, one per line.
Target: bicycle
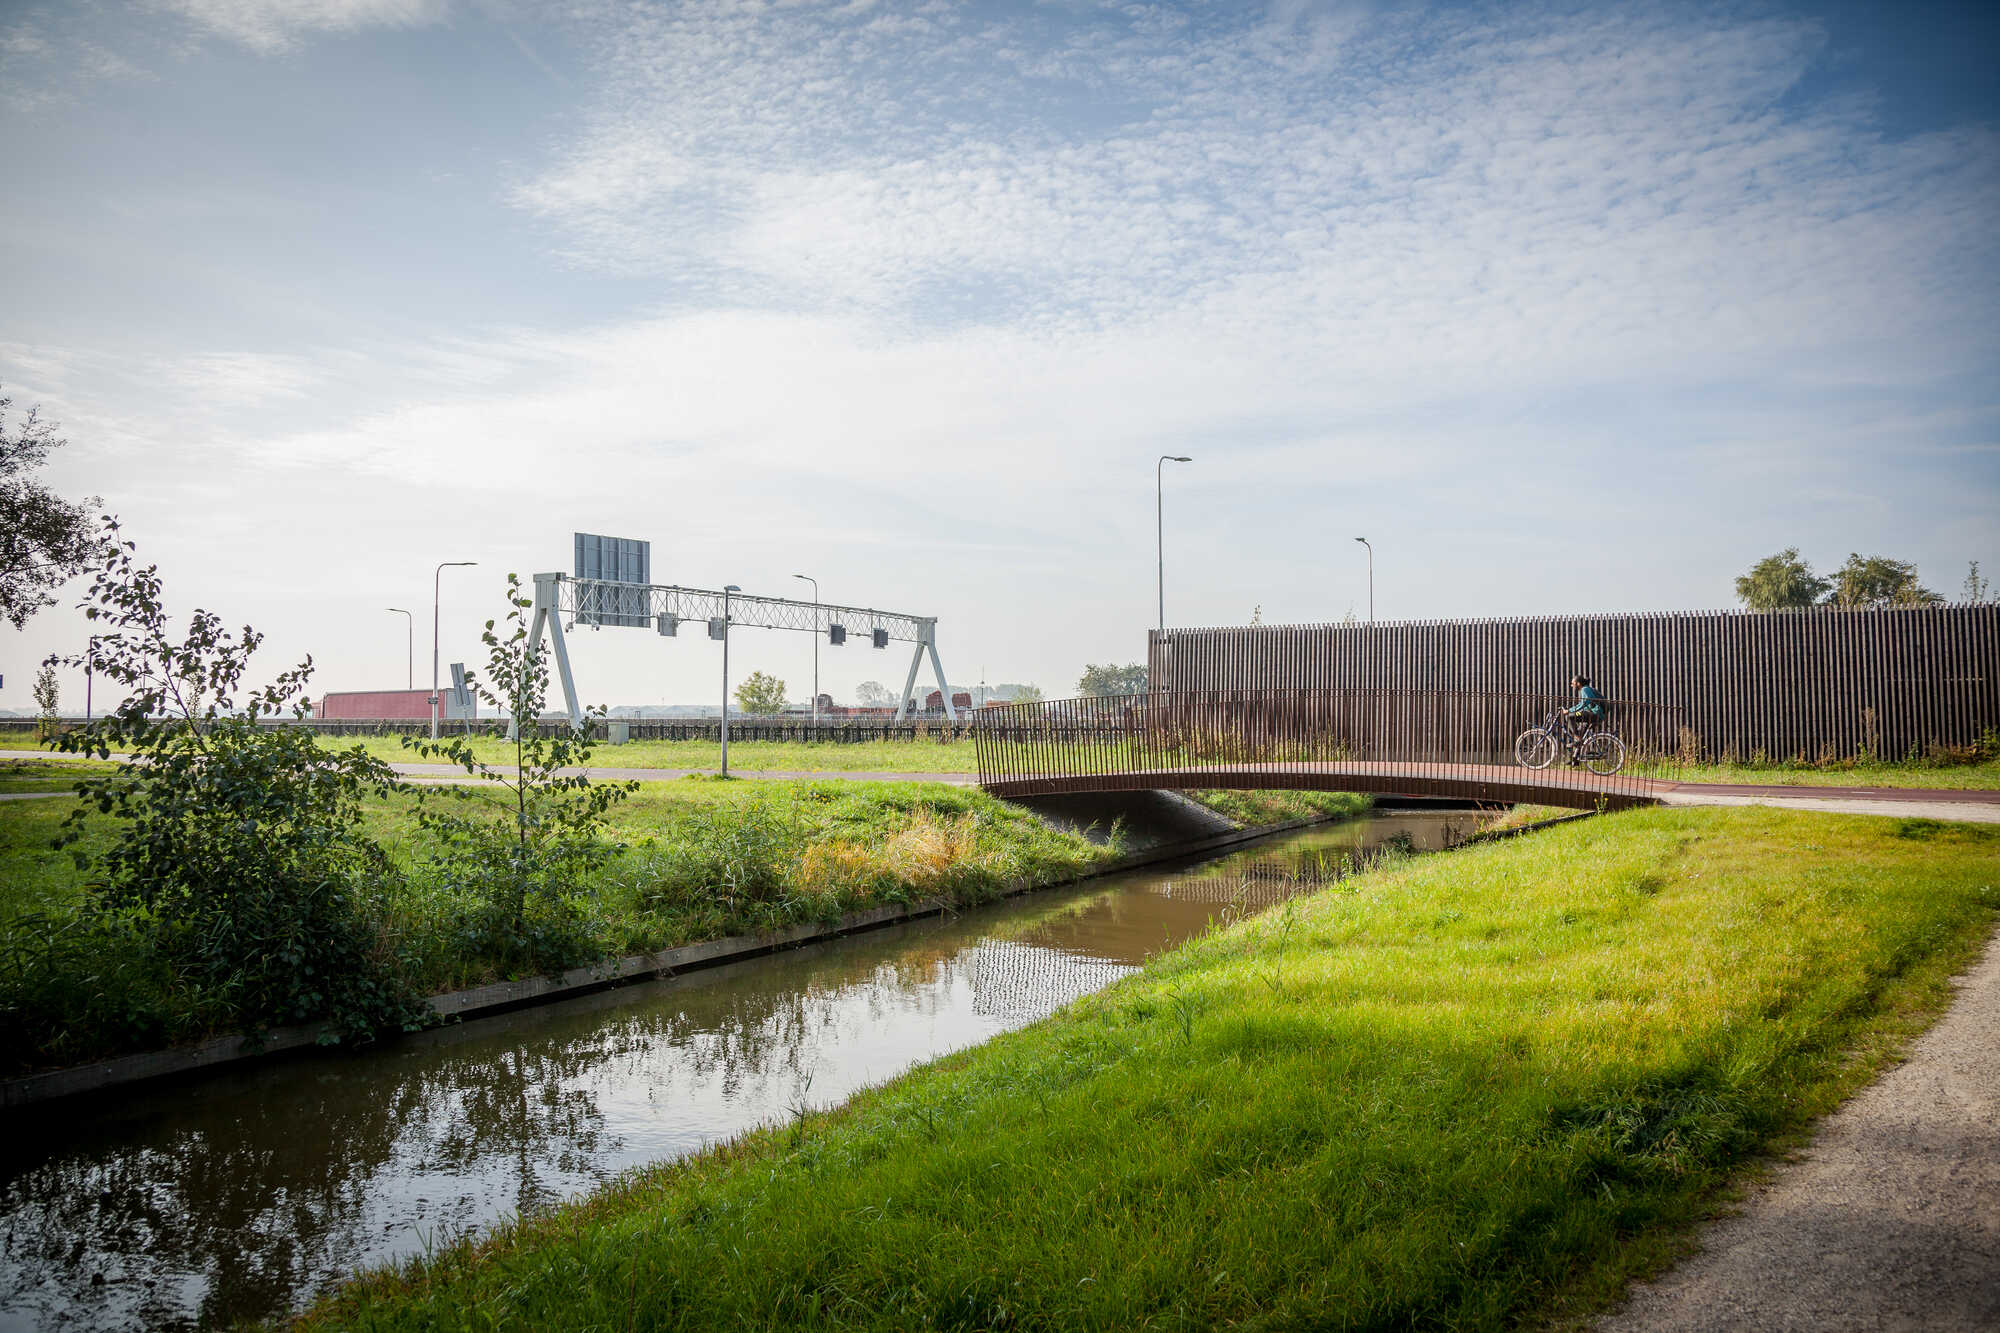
(1596, 749)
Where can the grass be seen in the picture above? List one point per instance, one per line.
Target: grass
(1979, 775)
(938, 756)
(695, 859)
(1471, 1091)
(933, 756)
(1255, 809)
(26, 775)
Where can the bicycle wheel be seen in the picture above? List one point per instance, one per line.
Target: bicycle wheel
(1534, 748)
(1602, 753)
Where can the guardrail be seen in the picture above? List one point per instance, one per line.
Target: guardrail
(1457, 743)
(829, 731)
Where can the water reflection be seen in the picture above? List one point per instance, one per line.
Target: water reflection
(242, 1195)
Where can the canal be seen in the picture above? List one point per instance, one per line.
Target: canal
(246, 1193)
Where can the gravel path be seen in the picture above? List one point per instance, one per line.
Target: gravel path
(1890, 1220)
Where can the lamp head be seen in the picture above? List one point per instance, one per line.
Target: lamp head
(730, 587)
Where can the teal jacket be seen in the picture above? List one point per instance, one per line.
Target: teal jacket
(1589, 703)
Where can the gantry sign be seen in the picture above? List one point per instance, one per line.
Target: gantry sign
(611, 587)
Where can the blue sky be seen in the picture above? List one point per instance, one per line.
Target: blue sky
(1568, 308)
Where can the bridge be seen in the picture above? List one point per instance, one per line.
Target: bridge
(1440, 743)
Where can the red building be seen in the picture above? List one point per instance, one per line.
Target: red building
(382, 705)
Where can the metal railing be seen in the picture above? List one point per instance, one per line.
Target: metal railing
(1452, 743)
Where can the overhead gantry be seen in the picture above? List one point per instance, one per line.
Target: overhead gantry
(664, 608)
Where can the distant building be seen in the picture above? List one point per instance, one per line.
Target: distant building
(388, 706)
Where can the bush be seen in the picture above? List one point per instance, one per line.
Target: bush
(239, 844)
(521, 845)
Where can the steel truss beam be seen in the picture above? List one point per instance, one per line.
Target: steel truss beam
(664, 607)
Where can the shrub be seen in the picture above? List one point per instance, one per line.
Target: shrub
(238, 844)
(522, 844)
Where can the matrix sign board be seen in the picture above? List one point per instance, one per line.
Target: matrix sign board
(613, 560)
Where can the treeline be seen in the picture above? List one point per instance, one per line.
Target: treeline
(1786, 581)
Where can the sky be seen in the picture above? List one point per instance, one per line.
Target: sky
(1567, 308)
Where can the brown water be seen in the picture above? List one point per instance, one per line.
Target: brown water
(245, 1194)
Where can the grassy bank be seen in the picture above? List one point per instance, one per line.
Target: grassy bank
(692, 859)
(1471, 1090)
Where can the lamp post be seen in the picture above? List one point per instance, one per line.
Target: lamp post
(410, 668)
(1160, 524)
(1371, 578)
(815, 583)
(437, 583)
(727, 588)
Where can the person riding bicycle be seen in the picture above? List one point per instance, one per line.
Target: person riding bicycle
(1588, 710)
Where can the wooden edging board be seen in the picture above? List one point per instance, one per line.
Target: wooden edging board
(219, 1052)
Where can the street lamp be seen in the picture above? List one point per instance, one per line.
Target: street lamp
(1160, 524)
(1371, 578)
(437, 577)
(410, 668)
(815, 583)
(727, 588)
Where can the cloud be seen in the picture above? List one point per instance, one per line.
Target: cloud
(1440, 191)
(278, 25)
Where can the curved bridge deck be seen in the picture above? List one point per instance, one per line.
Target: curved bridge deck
(1445, 743)
(1493, 783)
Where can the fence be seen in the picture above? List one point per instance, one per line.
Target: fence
(1816, 684)
(1450, 742)
(830, 731)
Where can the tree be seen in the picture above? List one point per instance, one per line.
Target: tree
(523, 861)
(760, 695)
(1879, 581)
(1106, 681)
(1027, 694)
(1781, 582)
(44, 539)
(47, 700)
(238, 845)
(1977, 589)
(874, 694)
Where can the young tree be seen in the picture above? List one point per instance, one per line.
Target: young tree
(47, 700)
(1105, 681)
(521, 841)
(239, 843)
(45, 540)
(1781, 582)
(874, 694)
(1977, 590)
(760, 695)
(1879, 581)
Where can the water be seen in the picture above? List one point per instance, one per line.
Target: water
(245, 1194)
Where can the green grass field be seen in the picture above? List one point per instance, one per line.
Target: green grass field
(761, 756)
(1981, 776)
(27, 774)
(1471, 1090)
(958, 757)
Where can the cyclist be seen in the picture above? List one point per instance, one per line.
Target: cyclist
(1588, 710)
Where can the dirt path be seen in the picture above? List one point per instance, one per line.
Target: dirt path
(1889, 1220)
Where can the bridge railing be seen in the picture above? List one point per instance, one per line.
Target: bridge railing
(1360, 739)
